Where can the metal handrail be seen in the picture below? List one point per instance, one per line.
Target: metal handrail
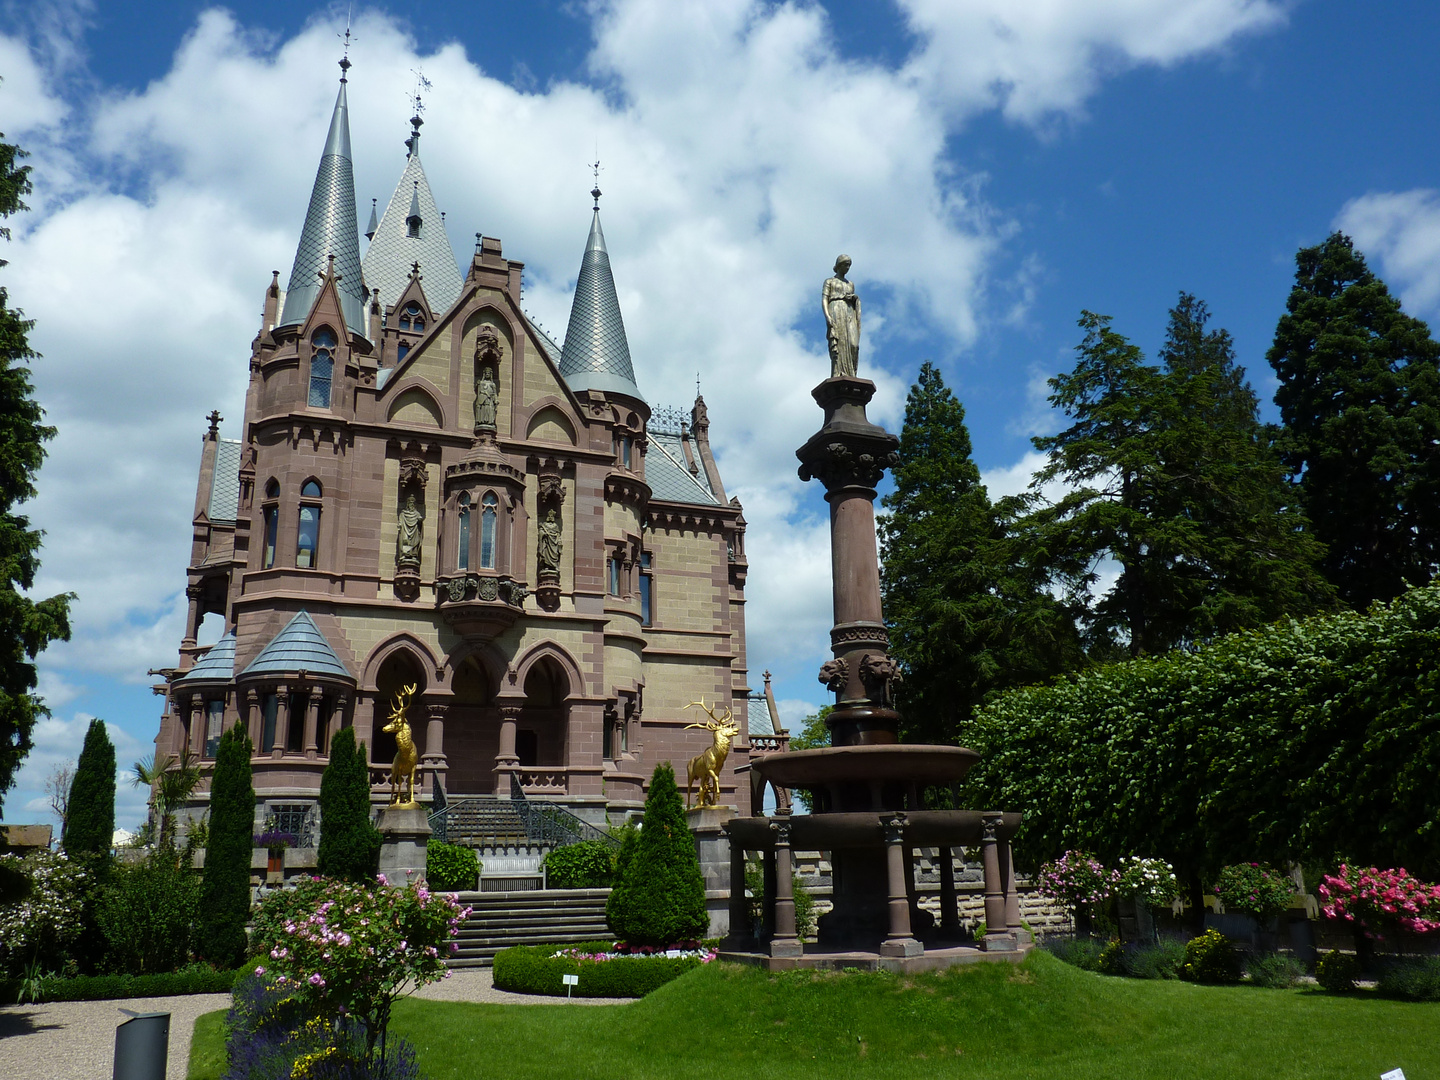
(549, 823)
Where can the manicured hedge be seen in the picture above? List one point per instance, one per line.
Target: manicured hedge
(194, 980)
(533, 969)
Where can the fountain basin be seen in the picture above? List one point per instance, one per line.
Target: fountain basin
(917, 764)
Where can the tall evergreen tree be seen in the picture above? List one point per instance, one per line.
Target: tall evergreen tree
(26, 626)
(225, 887)
(1359, 398)
(349, 841)
(1172, 480)
(964, 613)
(660, 898)
(90, 826)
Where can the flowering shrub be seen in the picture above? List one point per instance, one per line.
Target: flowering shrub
(685, 950)
(276, 840)
(1254, 890)
(1150, 882)
(1211, 958)
(40, 928)
(603, 970)
(1075, 879)
(1375, 899)
(351, 951)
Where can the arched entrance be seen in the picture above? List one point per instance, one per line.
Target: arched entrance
(399, 670)
(472, 731)
(543, 728)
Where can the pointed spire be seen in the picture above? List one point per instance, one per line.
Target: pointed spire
(374, 221)
(395, 245)
(330, 228)
(596, 355)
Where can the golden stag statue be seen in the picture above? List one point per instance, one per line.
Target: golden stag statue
(402, 770)
(706, 768)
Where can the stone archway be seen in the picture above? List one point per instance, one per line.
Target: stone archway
(398, 670)
(472, 729)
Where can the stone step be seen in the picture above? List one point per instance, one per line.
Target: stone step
(500, 920)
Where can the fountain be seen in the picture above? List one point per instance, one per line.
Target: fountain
(867, 786)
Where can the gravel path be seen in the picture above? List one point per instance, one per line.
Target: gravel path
(75, 1040)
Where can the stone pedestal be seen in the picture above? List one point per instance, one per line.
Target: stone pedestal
(404, 832)
(712, 847)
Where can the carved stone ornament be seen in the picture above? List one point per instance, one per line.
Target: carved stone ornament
(413, 471)
(489, 589)
(834, 674)
(880, 675)
(456, 589)
(488, 348)
(513, 592)
(837, 466)
(551, 489)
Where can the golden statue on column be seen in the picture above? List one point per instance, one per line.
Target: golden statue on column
(402, 769)
(706, 767)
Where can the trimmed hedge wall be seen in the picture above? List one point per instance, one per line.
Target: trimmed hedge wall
(195, 980)
(532, 969)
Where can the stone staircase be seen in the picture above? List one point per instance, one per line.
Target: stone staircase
(499, 920)
(484, 822)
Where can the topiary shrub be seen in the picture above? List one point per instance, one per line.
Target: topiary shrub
(660, 898)
(589, 864)
(225, 886)
(1161, 960)
(536, 969)
(90, 820)
(1275, 970)
(1337, 972)
(349, 842)
(1416, 979)
(450, 867)
(1211, 958)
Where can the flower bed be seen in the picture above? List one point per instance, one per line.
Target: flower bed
(605, 969)
(1379, 900)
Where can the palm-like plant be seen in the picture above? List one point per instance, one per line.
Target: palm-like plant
(171, 780)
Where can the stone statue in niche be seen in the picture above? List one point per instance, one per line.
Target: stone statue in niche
(842, 321)
(487, 398)
(550, 545)
(410, 527)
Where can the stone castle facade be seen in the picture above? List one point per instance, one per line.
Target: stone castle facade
(429, 491)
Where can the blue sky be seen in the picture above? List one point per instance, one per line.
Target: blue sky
(994, 166)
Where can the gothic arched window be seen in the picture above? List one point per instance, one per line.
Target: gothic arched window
(322, 366)
(462, 553)
(487, 531)
(307, 541)
(412, 318)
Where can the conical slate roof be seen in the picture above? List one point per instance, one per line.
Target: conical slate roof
(393, 250)
(299, 647)
(596, 355)
(330, 229)
(217, 665)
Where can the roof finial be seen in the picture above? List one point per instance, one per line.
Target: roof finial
(595, 191)
(214, 419)
(697, 384)
(345, 64)
(477, 243)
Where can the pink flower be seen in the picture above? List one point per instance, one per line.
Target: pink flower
(316, 980)
(259, 971)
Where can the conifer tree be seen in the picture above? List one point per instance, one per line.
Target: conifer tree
(964, 613)
(225, 887)
(26, 626)
(90, 825)
(349, 841)
(1359, 397)
(660, 899)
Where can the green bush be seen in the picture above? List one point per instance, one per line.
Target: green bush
(660, 896)
(1258, 891)
(450, 867)
(589, 864)
(1161, 960)
(225, 887)
(148, 911)
(195, 979)
(1416, 979)
(1083, 953)
(1337, 971)
(1275, 970)
(1112, 959)
(1211, 958)
(349, 841)
(41, 928)
(534, 969)
(805, 916)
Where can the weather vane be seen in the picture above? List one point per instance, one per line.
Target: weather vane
(345, 64)
(422, 86)
(595, 168)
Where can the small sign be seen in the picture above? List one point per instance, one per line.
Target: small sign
(1393, 1074)
(574, 980)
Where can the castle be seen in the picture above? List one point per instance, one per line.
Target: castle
(429, 491)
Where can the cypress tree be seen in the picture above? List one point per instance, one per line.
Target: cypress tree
(225, 887)
(661, 895)
(90, 825)
(349, 841)
(1359, 397)
(26, 626)
(964, 614)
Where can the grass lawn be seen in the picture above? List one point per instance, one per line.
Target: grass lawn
(1043, 1019)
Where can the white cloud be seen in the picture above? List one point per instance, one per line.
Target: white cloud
(741, 153)
(1402, 230)
(1034, 59)
(58, 742)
